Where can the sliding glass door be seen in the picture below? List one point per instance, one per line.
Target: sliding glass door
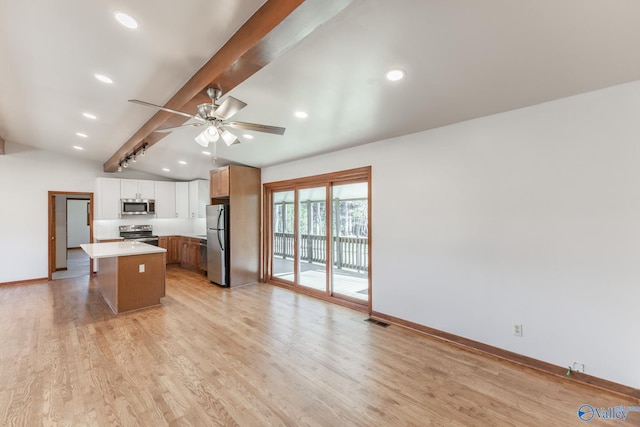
(350, 240)
(318, 236)
(312, 238)
(282, 235)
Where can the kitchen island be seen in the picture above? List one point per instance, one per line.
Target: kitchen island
(132, 274)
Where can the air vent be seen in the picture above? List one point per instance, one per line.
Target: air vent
(376, 322)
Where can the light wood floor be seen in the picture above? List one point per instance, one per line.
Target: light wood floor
(252, 356)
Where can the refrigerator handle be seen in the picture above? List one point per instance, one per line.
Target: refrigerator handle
(220, 216)
(220, 213)
(220, 240)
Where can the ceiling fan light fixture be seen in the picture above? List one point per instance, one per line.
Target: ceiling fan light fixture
(228, 137)
(210, 134)
(202, 139)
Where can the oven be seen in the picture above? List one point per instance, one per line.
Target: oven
(148, 240)
(138, 233)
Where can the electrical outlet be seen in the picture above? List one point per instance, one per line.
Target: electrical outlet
(517, 329)
(578, 367)
(140, 268)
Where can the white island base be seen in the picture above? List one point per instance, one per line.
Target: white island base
(132, 274)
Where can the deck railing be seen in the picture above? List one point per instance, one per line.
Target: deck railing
(350, 252)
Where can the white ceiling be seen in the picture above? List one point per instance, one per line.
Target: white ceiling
(464, 59)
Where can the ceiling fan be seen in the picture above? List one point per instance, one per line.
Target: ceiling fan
(215, 117)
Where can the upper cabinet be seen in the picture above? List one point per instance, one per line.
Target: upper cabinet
(198, 198)
(182, 200)
(137, 189)
(107, 198)
(172, 199)
(165, 196)
(219, 182)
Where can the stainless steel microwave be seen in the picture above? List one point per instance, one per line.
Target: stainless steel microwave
(137, 207)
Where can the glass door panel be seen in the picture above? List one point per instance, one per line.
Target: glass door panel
(312, 238)
(282, 243)
(349, 247)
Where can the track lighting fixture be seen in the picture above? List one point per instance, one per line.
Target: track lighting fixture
(133, 157)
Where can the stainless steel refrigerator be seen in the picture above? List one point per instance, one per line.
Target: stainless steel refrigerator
(218, 244)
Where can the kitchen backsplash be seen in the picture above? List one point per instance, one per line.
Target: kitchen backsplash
(105, 229)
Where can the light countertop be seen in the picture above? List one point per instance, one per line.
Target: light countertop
(116, 249)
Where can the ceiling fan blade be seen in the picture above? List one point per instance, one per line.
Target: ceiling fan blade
(160, 107)
(178, 127)
(229, 107)
(256, 127)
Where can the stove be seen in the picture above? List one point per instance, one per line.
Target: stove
(139, 233)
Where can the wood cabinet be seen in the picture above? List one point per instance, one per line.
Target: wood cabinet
(173, 250)
(172, 245)
(219, 182)
(190, 253)
(243, 185)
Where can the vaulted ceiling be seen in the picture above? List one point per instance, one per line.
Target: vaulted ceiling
(463, 59)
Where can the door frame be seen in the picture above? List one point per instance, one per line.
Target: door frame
(362, 174)
(51, 236)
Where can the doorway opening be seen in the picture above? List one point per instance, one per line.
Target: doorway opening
(70, 225)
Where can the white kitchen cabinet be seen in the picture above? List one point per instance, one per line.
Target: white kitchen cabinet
(137, 189)
(198, 198)
(182, 200)
(107, 198)
(165, 196)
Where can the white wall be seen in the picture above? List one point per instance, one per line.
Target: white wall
(26, 176)
(531, 216)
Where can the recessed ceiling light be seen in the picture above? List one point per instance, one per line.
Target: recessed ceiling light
(82, 135)
(77, 147)
(89, 116)
(247, 136)
(395, 74)
(182, 162)
(126, 20)
(301, 114)
(103, 78)
(206, 153)
(166, 170)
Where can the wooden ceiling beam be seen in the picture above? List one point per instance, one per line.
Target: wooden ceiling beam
(274, 28)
